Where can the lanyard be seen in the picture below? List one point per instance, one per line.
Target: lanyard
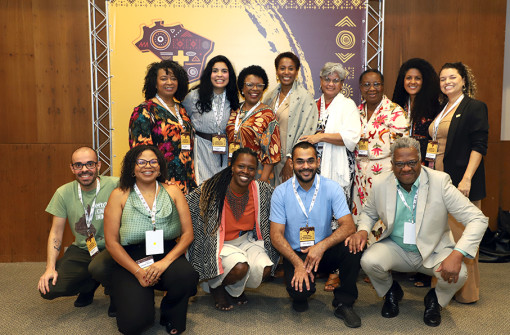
(313, 198)
(409, 115)
(218, 110)
(405, 203)
(366, 114)
(177, 114)
(89, 214)
(246, 116)
(276, 105)
(152, 211)
(443, 114)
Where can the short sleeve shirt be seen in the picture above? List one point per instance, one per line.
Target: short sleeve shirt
(66, 204)
(330, 203)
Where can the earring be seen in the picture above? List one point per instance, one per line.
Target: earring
(133, 174)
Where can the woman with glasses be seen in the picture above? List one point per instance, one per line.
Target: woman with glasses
(337, 133)
(208, 106)
(161, 121)
(147, 231)
(295, 110)
(382, 121)
(254, 124)
(461, 132)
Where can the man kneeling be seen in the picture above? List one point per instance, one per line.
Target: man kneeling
(301, 212)
(232, 247)
(413, 202)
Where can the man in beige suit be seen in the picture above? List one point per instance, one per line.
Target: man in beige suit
(413, 202)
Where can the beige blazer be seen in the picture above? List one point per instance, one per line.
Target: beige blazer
(436, 198)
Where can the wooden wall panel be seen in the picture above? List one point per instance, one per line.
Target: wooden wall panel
(470, 31)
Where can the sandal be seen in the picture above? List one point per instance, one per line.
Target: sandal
(332, 282)
(221, 298)
(240, 300)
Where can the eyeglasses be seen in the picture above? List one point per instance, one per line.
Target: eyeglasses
(89, 165)
(143, 163)
(328, 80)
(367, 85)
(251, 85)
(401, 165)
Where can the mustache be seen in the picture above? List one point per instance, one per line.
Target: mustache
(305, 170)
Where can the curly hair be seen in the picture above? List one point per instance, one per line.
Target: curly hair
(330, 68)
(151, 79)
(205, 88)
(214, 190)
(466, 74)
(254, 70)
(426, 102)
(127, 178)
(289, 55)
(371, 71)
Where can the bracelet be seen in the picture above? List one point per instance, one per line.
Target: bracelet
(137, 271)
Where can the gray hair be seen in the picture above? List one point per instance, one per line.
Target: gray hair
(405, 142)
(330, 68)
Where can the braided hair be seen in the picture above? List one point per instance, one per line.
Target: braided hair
(214, 191)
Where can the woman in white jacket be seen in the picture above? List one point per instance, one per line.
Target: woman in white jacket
(338, 132)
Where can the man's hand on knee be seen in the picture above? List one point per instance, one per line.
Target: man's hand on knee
(44, 285)
(300, 276)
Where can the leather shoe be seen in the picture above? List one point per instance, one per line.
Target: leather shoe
(432, 315)
(393, 296)
(84, 299)
(112, 309)
(347, 314)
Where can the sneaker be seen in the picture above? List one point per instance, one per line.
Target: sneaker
(347, 314)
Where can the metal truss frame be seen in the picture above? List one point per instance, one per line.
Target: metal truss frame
(374, 42)
(100, 68)
(100, 82)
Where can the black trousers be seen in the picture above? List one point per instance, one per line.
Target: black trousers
(336, 257)
(79, 273)
(135, 304)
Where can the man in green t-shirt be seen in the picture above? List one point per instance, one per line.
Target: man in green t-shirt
(86, 263)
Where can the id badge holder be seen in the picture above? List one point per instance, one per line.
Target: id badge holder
(306, 237)
(219, 144)
(145, 262)
(409, 233)
(233, 146)
(92, 245)
(430, 156)
(363, 147)
(185, 141)
(154, 242)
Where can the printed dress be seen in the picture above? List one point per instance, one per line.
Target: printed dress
(152, 124)
(259, 132)
(387, 123)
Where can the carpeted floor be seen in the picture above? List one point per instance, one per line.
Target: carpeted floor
(23, 311)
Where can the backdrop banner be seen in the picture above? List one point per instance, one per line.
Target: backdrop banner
(191, 32)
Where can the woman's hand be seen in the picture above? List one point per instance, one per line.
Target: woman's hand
(155, 270)
(287, 171)
(141, 275)
(313, 139)
(465, 186)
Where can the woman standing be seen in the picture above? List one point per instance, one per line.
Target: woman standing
(148, 228)
(295, 110)
(417, 91)
(338, 132)
(254, 124)
(161, 121)
(461, 131)
(208, 106)
(232, 248)
(382, 121)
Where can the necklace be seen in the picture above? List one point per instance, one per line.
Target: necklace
(237, 203)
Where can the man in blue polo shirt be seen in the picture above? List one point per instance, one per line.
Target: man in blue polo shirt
(301, 212)
(414, 202)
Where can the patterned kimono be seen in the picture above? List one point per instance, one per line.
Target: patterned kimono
(259, 132)
(152, 124)
(387, 123)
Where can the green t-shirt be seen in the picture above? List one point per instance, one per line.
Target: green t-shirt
(66, 204)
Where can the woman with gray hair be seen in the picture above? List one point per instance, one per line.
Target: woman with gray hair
(338, 132)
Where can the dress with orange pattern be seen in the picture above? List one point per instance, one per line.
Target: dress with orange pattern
(259, 132)
(152, 124)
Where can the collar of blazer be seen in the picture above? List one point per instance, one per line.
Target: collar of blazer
(457, 116)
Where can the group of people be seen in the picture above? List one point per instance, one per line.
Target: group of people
(195, 203)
